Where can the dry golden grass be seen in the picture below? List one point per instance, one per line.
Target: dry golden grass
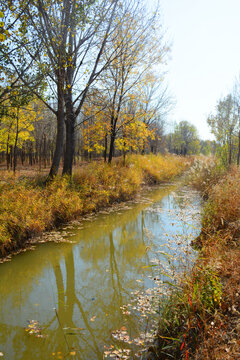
(28, 207)
(221, 251)
(160, 168)
(204, 315)
(223, 206)
(220, 337)
(205, 173)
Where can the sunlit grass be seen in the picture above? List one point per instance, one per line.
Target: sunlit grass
(28, 207)
(223, 206)
(159, 168)
(205, 173)
(219, 244)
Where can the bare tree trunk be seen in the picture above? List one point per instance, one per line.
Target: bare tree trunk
(230, 147)
(39, 156)
(70, 145)
(112, 138)
(15, 144)
(70, 118)
(124, 151)
(22, 156)
(124, 157)
(105, 148)
(70, 132)
(59, 145)
(7, 153)
(238, 155)
(11, 156)
(30, 157)
(230, 154)
(111, 148)
(44, 151)
(60, 131)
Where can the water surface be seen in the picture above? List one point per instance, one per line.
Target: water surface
(75, 291)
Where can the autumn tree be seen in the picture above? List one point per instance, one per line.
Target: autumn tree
(64, 41)
(42, 149)
(153, 104)
(236, 100)
(223, 125)
(9, 26)
(184, 140)
(95, 126)
(138, 120)
(208, 147)
(17, 118)
(62, 50)
(140, 48)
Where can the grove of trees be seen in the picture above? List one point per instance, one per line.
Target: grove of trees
(79, 77)
(184, 139)
(225, 125)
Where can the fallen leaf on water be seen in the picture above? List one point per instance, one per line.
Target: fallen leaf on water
(34, 328)
(93, 318)
(72, 353)
(123, 328)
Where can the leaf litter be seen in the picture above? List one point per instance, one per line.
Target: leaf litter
(174, 258)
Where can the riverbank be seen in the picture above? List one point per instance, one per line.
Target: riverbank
(105, 262)
(28, 207)
(220, 244)
(201, 319)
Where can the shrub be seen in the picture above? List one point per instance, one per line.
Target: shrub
(204, 174)
(186, 312)
(223, 205)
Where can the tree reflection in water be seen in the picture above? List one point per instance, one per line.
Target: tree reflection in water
(86, 282)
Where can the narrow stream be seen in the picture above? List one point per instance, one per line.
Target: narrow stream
(74, 291)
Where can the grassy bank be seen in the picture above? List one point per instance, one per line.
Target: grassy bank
(200, 319)
(28, 208)
(220, 242)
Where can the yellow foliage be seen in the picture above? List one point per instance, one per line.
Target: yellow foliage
(135, 136)
(95, 130)
(17, 121)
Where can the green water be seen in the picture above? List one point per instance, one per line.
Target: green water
(88, 281)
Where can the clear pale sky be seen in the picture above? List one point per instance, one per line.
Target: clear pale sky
(205, 55)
